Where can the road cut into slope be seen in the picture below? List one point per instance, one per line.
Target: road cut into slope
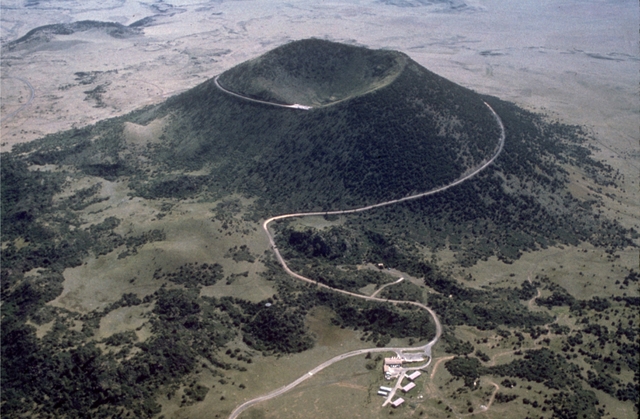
(264, 102)
(425, 349)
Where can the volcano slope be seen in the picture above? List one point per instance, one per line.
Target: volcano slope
(142, 217)
(385, 143)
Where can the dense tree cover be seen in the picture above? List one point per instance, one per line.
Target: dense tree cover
(343, 155)
(520, 203)
(350, 278)
(405, 291)
(469, 369)
(455, 346)
(543, 366)
(172, 186)
(505, 398)
(25, 196)
(279, 327)
(193, 274)
(311, 253)
(277, 330)
(330, 244)
(64, 375)
(484, 309)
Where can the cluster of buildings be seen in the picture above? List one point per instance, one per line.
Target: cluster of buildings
(393, 366)
(392, 363)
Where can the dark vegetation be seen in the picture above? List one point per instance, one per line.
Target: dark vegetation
(519, 203)
(241, 254)
(64, 375)
(455, 346)
(569, 399)
(505, 398)
(315, 253)
(383, 145)
(405, 291)
(414, 133)
(193, 274)
(609, 350)
(313, 72)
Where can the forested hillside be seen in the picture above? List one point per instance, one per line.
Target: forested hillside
(180, 213)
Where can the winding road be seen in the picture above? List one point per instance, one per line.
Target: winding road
(425, 349)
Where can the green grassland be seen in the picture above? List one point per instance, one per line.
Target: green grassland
(137, 280)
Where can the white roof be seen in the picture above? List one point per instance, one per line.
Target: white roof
(408, 387)
(414, 375)
(397, 402)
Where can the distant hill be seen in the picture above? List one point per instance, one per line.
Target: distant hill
(44, 34)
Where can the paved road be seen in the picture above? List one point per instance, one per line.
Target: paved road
(426, 349)
(32, 95)
(385, 286)
(264, 102)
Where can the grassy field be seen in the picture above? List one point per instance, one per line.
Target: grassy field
(348, 389)
(583, 270)
(212, 232)
(268, 373)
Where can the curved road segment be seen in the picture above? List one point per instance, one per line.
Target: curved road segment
(264, 102)
(425, 349)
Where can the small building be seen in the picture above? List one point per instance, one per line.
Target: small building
(413, 357)
(414, 375)
(397, 402)
(394, 362)
(408, 387)
(387, 389)
(382, 393)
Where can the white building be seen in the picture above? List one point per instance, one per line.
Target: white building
(408, 387)
(397, 402)
(414, 375)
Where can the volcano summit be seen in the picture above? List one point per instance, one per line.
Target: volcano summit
(314, 73)
(382, 127)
